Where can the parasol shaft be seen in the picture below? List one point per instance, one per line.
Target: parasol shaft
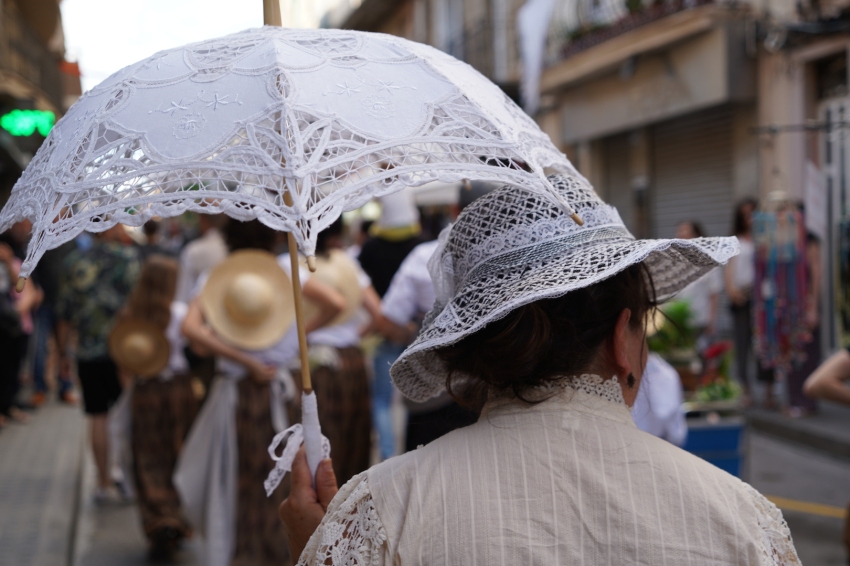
(271, 13)
(306, 382)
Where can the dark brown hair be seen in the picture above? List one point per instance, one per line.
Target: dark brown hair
(546, 340)
(739, 221)
(151, 298)
(251, 235)
(696, 228)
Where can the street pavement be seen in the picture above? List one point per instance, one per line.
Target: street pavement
(39, 486)
(812, 489)
(110, 534)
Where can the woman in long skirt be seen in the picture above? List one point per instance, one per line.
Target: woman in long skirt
(162, 403)
(243, 314)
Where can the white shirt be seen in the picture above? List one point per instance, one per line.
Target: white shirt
(658, 407)
(347, 333)
(570, 480)
(411, 292)
(743, 266)
(197, 258)
(177, 363)
(698, 295)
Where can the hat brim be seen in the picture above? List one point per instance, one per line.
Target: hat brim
(151, 366)
(338, 272)
(673, 264)
(254, 336)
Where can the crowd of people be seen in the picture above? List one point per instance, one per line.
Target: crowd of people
(186, 353)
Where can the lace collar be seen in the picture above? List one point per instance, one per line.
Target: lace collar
(588, 393)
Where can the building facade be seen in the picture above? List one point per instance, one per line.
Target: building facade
(675, 109)
(37, 84)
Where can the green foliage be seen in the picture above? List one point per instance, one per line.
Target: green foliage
(721, 389)
(676, 333)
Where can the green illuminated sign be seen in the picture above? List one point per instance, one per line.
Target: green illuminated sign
(26, 122)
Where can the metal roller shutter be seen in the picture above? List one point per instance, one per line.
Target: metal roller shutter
(692, 172)
(618, 192)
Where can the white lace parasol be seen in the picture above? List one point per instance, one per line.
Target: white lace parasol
(229, 125)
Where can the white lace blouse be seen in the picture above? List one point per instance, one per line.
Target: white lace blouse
(568, 481)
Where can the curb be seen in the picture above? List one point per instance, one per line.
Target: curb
(77, 508)
(779, 427)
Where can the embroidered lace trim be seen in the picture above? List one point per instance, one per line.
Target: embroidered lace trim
(351, 533)
(777, 547)
(592, 384)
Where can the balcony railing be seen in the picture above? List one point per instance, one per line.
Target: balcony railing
(24, 55)
(475, 46)
(571, 41)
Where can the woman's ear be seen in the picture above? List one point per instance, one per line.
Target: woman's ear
(619, 342)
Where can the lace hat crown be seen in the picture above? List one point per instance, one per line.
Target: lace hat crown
(510, 219)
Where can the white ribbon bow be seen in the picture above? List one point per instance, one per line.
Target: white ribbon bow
(293, 438)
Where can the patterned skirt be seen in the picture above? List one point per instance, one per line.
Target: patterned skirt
(162, 413)
(342, 394)
(260, 538)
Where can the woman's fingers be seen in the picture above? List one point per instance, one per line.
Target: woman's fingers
(302, 511)
(326, 486)
(302, 482)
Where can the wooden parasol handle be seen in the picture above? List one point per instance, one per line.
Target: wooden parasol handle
(306, 382)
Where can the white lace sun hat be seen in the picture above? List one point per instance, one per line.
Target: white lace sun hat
(513, 247)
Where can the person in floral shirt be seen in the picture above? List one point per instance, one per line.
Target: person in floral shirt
(95, 286)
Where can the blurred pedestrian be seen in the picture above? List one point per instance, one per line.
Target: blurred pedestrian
(153, 240)
(393, 236)
(830, 382)
(800, 404)
(703, 294)
(198, 257)
(48, 274)
(338, 369)
(739, 277)
(201, 255)
(360, 238)
(147, 344)
(16, 325)
(658, 405)
(26, 304)
(409, 298)
(243, 315)
(172, 238)
(95, 285)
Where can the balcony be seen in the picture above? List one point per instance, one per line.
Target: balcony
(600, 23)
(29, 69)
(475, 47)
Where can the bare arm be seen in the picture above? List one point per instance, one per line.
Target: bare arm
(734, 293)
(63, 340)
(29, 298)
(827, 382)
(397, 333)
(329, 301)
(372, 302)
(199, 334)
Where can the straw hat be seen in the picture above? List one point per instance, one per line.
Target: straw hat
(339, 272)
(513, 247)
(140, 347)
(247, 300)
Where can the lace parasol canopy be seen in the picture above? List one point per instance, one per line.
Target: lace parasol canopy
(231, 125)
